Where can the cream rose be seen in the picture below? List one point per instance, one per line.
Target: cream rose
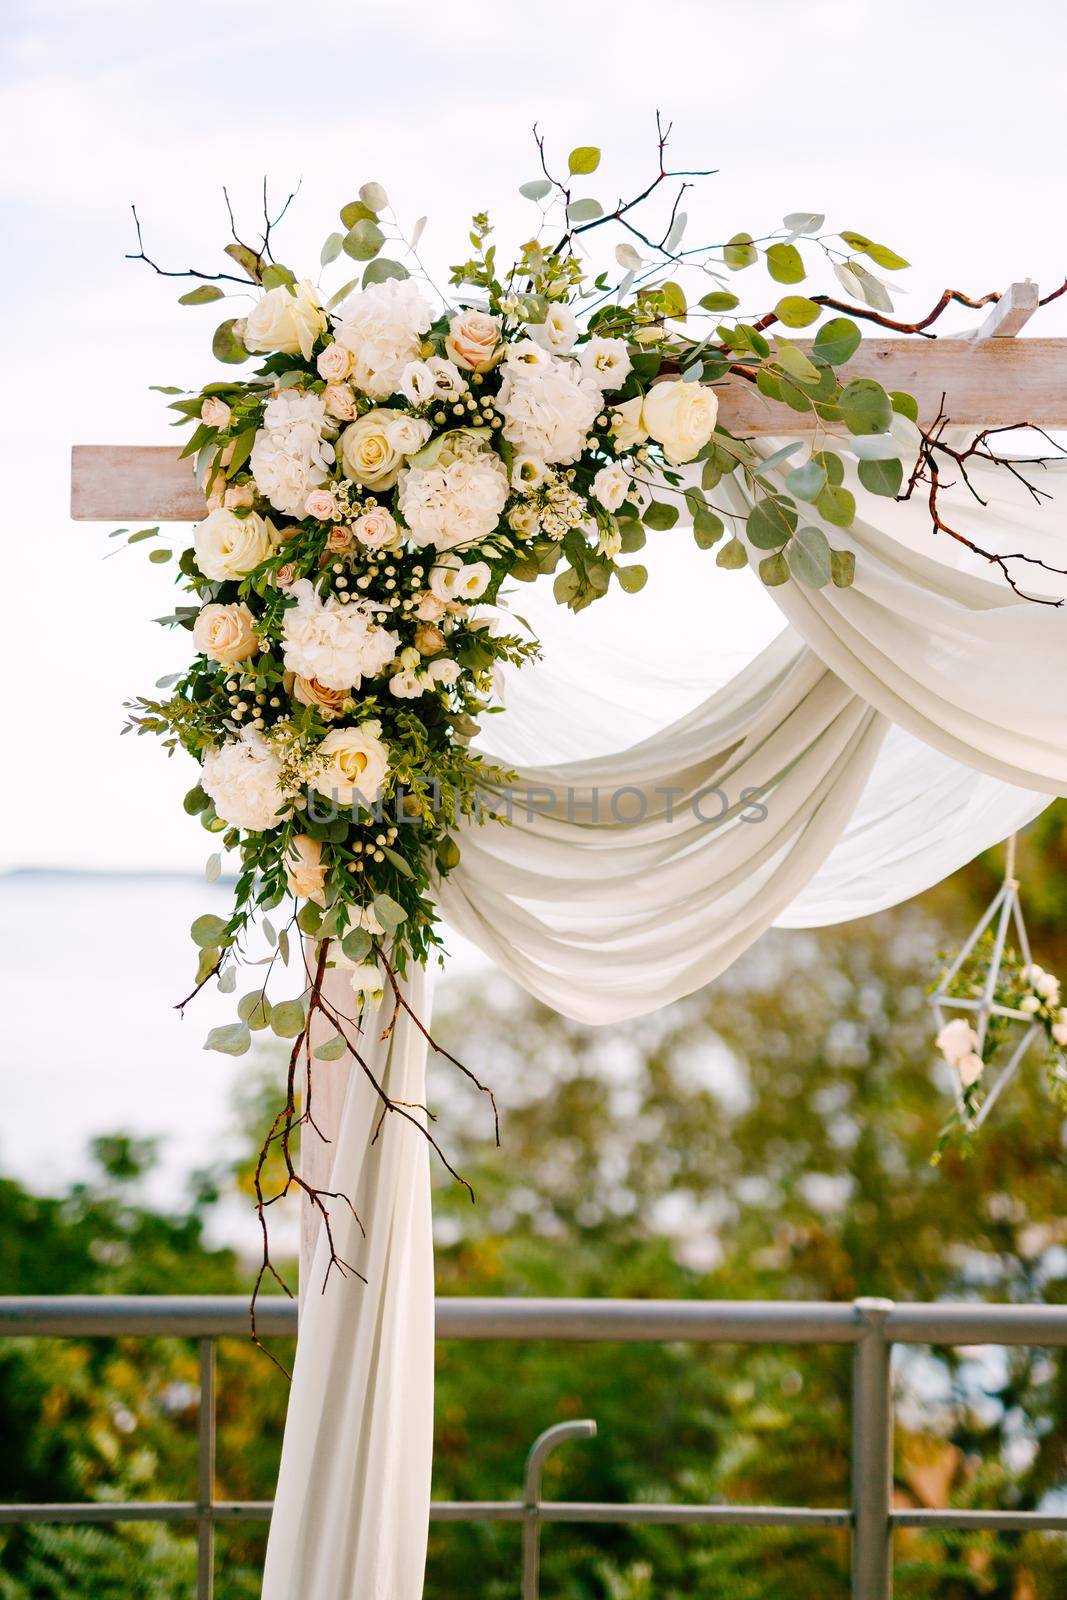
(334, 363)
(681, 417)
(321, 505)
(289, 320)
(611, 486)
(377, 529)
(304, 869)
(228, 546)
(231, 496)
(352, 764)
(226, 634)
(473, 340)
(373, 447)
(628, 426)
(339, 401)
(215, 412)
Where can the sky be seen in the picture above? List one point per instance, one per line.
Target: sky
(938, 131)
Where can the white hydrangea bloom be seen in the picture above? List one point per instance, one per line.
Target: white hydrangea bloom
(290, 457)
(382, 326)
(457, 504)
(243, 779)
(337, 645)
(548, 410)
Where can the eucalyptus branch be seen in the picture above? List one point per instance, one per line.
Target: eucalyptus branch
(183, 272)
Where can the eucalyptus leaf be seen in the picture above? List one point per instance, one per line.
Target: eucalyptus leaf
(587, 210)
(201, 296)
(209, 930)
(837, 505)
(708, 528)
(632, 579)
(389, 914)
(331, 249)
(364, 240)
(797, 311)
(771, 522)
(331, 1049)
(227, 981)
(732, 555)
(905, 405)
(374, 197)
(232, 1039)
(882, 477)
(536, 189)
(255, 1010)
(836, 341)
(842, 568)
(809, 557)
(378, 271)
(225, 346)
(806, 482)
(718, 300)
(287, 1019)
(213, 870)
(739, 253)
(785, 263)
(583, 160)
(659, 515)
(875, 447)
(628, 257)
(865, 406)
(774, 570)
(357, 945)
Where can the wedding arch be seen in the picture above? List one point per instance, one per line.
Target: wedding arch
(885, 736)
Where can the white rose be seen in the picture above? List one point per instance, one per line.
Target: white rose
(377, 529)
(548, 411)
(305, 872)
(243, 778)
(339, 645)
(215, 412)
(606, 361)
(289, 320)
(352, 764)
(457, 504)
(334, 363)
(558, 331)
(226, 633)
(611, 486)
(444, 672)
(452, 580)
(429, 641)
(970, 1068)
(382, 326)
(228, 546)
(628, 426)
(681, 417)
(474, 340)
(406, 685)
(956, 1040)
(339, 401)
(373, 447)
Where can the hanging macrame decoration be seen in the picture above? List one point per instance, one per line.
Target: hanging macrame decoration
(991, 1002)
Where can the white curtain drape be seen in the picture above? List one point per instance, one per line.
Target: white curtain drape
(892, 731)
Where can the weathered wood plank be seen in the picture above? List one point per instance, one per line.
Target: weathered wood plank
(1012, 311)
(988, 381)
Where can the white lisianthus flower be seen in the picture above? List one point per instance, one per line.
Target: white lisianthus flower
(366, 977)
(527, 473)
(243, 779)
(444, 672)
(305, 872)
(452, 579)
(374, 446)
(606, 361)
(956, 1040)
(406, 684)
(363, 917)
(680, 416)
(377, 529)
(970, 1068)
(558, 331)
(417, 383)
(474, 340)
(382, 326)
(525, 519)
(548, 411)
(611, 486)
(338, 645)
(448, 380)
(351, 765)
(289, 320)
(454, 504)
(627, 425)
(226, 634)
(524, 353)
(228, 546)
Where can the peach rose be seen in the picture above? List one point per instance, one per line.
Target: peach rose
(339, 538)
(321, 505)
(310, 692)
(304, 869)
(334, 363)
(340, 402)
(474, 341)
(430, 608)
(377, 529)
(429, 641)
(226, 634)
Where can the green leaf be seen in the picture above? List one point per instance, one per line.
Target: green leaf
(331, 249)
(832, 465)
(232, 1039)
(842, 568)
(587, 210)
(674, 301)
(331, 1049)
(774, 570)
(447, 855)
(797, 311)
(719, 300)
(905, 405)
(374, 197)
(882, 477)
(771, 523)
(865, 406)
(809, 557)
(355, 211)
(357, 944)
(255, 1010)
(389, 914)
(739, 253)
(159, 556)
(364, 240)
(836, 341)
(378, 271)
(209, 930)
(213, 870)
(659, 516)
(209, 960)
(794, 362)
(837, 506)
(806, 482)
(583, 160)
(201, 296)
(398, 861)
(632, 579)
(804, 221)
(882, 256)
(225, 346)
(246, 259)
(195, 801)
(708, 528)
(785, 263)
(277, 276)
(732, 555)
(227, 981)
(536, 189)
(309, 919)
(287, 1019)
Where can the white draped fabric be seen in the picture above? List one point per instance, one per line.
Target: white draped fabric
(892, 731)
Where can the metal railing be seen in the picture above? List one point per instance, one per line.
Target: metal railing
(872, 1327)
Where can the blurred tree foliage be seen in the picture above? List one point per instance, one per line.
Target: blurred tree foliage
(767, 1138)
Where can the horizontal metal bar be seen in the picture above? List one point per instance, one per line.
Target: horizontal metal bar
(138, 1511)
(699, 1321)
(1002, 1521)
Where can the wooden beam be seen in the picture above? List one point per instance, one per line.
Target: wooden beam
(989, 380)
(1012, 311)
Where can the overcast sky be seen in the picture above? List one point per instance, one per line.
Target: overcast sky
(936, 130)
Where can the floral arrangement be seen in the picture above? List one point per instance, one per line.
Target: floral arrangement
(393, 459)
(1024, 995)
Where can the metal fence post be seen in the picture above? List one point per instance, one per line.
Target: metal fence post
(872, 1455)
(205, 1493)
(540, 1451)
